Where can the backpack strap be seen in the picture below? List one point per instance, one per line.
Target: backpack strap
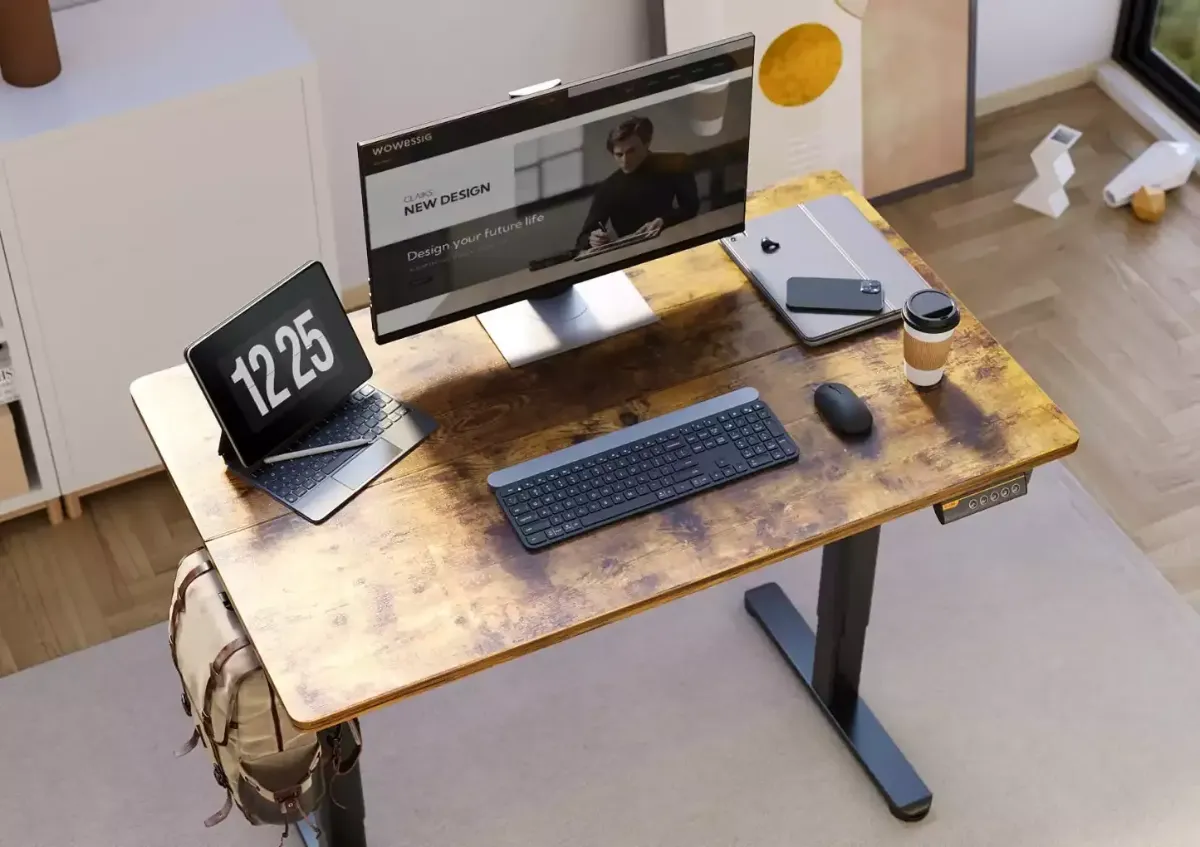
(180, 604)
(190, 745)
(236, 685)
(222, 813)
(215, 674)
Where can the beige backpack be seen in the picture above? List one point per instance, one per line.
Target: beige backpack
(274, 772)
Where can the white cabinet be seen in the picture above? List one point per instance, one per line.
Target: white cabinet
(134, 230)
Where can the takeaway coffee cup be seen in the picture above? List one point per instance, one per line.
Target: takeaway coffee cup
(930, 318)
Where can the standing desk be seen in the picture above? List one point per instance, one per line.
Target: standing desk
(421, 581)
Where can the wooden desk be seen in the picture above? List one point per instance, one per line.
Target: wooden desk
(421, 581)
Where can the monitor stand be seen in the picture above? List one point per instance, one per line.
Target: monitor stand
(588, 311)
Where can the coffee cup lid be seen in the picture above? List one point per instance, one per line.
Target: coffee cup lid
(931, 311)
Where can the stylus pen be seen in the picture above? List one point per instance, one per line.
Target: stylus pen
(317, 451)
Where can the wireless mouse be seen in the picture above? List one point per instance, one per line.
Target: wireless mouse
(843, 410)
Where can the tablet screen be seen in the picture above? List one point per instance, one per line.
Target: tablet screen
(279, 365)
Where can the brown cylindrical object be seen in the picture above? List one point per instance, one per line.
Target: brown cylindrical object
(926, 355)
(28, 49)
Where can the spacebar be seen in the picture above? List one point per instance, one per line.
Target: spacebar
(616, 511)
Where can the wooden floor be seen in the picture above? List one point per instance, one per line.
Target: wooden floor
(1102, 310)
(66, 587)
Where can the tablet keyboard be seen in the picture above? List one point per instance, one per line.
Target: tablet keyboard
(365, 414)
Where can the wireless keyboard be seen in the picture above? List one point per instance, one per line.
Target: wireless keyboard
(641, 468)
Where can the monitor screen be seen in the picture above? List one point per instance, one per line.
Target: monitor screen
(475, 212)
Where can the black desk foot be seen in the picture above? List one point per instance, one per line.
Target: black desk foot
(829, 661)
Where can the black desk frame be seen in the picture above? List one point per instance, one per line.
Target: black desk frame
(829, 663)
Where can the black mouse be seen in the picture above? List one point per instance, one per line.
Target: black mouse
(769, 246)
(843, 410)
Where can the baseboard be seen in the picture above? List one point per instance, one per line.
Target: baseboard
(1150, 112)
(1036, 90)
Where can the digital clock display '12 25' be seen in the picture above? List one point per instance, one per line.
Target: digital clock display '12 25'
(280, 366)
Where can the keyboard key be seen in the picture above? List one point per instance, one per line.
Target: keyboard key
(741, 467)
(665, 493)
(701, 481)
(526, 519)
(774, 428)
(572, 526)
(554, 532)
(536, 538)
(729, 472)
(776, 454)
(622, 509)
(682, 475)
(757, 461)
(555, 520)
(544, 512)
(339, 458)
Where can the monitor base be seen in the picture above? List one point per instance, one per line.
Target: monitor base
(589, 311)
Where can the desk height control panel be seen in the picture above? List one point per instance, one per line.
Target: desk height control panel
(971, 504)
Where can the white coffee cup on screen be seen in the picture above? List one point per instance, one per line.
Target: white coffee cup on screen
(930, 318)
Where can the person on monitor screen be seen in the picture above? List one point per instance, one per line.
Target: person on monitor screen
(646, 193)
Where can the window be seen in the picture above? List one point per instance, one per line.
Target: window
(549, 166)
(1158, 41)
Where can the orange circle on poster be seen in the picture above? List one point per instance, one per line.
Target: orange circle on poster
(800, 65)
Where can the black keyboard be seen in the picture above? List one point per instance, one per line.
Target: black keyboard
(365, 414)
(641, 468)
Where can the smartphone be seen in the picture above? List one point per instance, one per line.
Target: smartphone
(822, 294)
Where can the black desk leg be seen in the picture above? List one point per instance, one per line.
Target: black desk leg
(342, 817)
(830, 661)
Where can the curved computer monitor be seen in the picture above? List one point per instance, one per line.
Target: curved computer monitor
(524, 213)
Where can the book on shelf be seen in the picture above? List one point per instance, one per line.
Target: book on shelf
(8, 381)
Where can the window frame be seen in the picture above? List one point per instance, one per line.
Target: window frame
(1133, 50)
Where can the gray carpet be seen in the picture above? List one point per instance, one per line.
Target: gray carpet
(1039, 673)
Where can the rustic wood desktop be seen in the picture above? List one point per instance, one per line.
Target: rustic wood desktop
(421, 581)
